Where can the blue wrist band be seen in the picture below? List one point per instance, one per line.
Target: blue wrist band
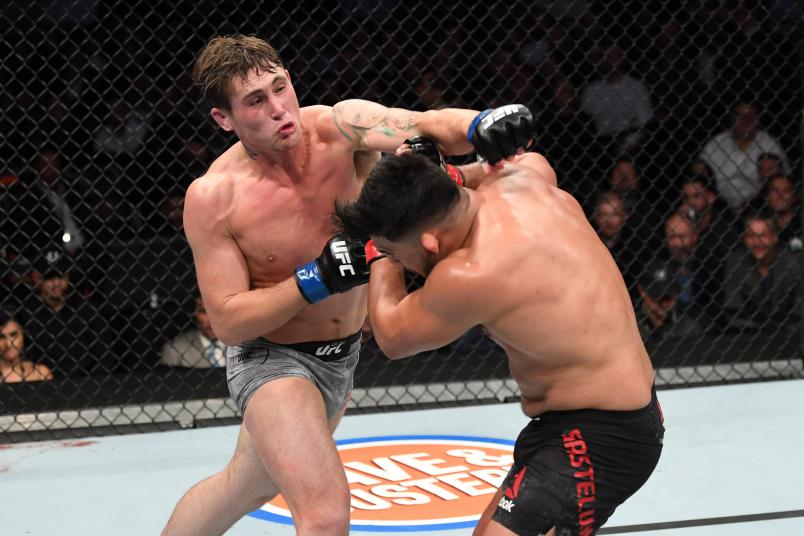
(311, 286)
(473, 125)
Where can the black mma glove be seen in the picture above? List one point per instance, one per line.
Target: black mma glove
(497, 134)
(426, 147)
(341, 266)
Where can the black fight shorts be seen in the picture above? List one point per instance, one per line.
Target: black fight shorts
(573, 468)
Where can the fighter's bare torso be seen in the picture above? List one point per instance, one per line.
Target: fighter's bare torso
(554, 299)
(281, 218)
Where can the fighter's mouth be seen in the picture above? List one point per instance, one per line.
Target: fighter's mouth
(287, 129)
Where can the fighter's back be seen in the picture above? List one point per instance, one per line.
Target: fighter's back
(564, 315)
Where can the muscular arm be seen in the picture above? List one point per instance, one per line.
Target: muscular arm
(368, 125)
(236, 312)
(404, 324)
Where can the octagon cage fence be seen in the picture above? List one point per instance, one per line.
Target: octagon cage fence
(676, 125)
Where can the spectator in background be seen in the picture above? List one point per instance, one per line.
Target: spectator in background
(64, 328)
(172, 207)
(567, 138)
(709, 215)
(609, 216)
(19, 281)
(658, 312)
(698, 274)
(430, 90)
(52, 207)
(47, 206)
(119, 143)
(537, 44)
(14, 367)
(678, 95)
(762, 280)
(733, 156)
(768, 166)
(671, 72)
(645, 203)
(781, 198)
(196, 348)
(619, 103)
(700, 168)
(125, 127)
(167, 219)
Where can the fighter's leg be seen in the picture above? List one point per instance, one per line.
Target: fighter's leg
(488, 527)
(485, 518)
(215, 504)
(336, 419)
(287, 420)
(495, 529)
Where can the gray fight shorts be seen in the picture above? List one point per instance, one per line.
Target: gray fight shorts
(330, 365)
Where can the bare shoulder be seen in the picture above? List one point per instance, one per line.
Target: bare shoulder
(323, 122)
(461, 284)
(316, 114)
(360, 113)
(536, 166)
(532, 175)
(329, 125)
(208, 196)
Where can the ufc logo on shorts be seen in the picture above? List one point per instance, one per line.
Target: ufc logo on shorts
(328, 349)
(499, 113)
(342, 254)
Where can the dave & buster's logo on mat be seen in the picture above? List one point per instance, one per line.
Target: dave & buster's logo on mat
(416, 482)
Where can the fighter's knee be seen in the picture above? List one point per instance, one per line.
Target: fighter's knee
(325, 516)
(333, 521)
(249, 483)
(257, 502)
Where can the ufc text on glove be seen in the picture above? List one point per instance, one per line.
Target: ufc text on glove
(498, 133)
(341, 266)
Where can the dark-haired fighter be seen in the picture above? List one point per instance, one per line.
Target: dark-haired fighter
(518, 258)
(281, 292)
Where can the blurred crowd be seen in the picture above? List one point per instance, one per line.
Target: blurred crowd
(674, 125)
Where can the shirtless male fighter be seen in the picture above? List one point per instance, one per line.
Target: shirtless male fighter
(518, 258)
(290, 314)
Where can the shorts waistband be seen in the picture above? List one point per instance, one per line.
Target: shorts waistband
(325, 350)
(592, 412)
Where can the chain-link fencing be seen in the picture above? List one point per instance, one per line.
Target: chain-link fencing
(676, 125)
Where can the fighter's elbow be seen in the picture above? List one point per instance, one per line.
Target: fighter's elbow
(226, 332)
(393, 353)
(227, 336)
(446, 128)
(229, 340)
(391, 345)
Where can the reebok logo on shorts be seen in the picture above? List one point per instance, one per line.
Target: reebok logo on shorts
(505, 504)
(507, 501)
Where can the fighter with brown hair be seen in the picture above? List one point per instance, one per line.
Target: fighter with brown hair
(289, 312)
